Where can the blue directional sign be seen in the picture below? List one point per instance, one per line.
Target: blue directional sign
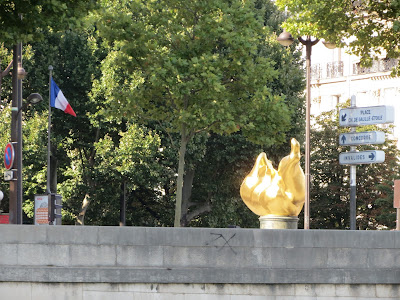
(362, 157)
(356, 116)
(361, 138)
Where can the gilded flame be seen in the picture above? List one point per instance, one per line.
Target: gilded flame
(267, 191)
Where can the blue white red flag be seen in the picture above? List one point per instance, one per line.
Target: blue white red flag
(58, 100)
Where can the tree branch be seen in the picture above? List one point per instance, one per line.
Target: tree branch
(7, 70)
(203, 129)
(173, 144)
(206, 207)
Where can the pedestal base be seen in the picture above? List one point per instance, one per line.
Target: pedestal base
(278, 222)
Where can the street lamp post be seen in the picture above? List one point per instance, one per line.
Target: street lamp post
(16, 192)
(286, 39)
(15, 206)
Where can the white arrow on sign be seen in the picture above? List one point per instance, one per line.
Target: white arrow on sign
(356, 116)
(362, 157)
(361, 138)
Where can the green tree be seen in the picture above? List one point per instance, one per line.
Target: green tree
(330, 192)
(216, 177)
(196, 66)
(367, 27)
(23, 21)
(74, 60)
(131, 159)
(216, 184)
(94, 154)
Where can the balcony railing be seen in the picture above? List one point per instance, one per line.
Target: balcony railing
(327, 71)
(381, 65)
(336, 69)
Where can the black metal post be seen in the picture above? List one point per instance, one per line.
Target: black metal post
(122, 212)
(353, 180)
(308, 43)
(15, 204)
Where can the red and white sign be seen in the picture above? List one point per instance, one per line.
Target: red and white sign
(4, 219)
(9, 155)
(41, 210)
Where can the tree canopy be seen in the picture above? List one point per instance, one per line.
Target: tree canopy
(369, 28)
(23, 21)
(195, 67)
(126, 149)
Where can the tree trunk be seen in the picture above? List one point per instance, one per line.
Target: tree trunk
(181, 171)
(80, 220)
(186, 194)
(81, 217)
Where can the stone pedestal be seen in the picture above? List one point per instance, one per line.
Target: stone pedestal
(278, 222)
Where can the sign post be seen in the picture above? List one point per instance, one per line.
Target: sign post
(396, 202)
(357, 116)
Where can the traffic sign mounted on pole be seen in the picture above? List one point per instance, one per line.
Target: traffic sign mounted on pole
(9, 155)
(361, 138)
(362, 157)
(354, 116)
(357, 116)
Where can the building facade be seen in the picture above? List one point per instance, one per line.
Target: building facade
(336, 76)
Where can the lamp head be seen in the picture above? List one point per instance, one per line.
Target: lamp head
(285, 38)
(34, 98)
(21, 73)
(329, 45)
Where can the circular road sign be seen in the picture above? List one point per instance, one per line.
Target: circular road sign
(9, 155)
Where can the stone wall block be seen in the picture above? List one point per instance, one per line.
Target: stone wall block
(67, 235)
(140, 256)
(93, 255)
(22, 234)
(43, 255)
(8, 254)
(345, 257)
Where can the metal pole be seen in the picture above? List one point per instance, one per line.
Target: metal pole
(15, 205)
(19, 141)
(48, 188)
(14, 137)
(308, 43)
(398, 219)
(122, 213)
(307, 148)
(353, 177)
(353, 189)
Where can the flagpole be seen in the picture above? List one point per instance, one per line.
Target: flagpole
(48, 134)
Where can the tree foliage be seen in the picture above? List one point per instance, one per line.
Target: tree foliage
(24, 21)
(368, 27)
(97, 153)
(195, 66)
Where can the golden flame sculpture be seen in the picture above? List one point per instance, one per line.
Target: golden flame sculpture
(267, 191)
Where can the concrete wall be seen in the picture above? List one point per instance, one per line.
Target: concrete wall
(143, 291)
(161, 263)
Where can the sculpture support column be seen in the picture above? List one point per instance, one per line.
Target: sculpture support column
(278, 222)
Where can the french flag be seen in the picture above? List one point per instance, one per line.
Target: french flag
(58, 100)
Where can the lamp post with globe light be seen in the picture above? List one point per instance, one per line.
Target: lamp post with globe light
(286, 39)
